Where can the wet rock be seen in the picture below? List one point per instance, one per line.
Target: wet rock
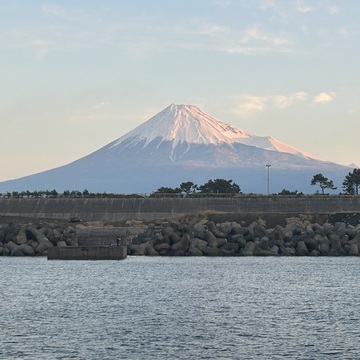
(44, 242)
(70, 242)
(241, 241)
(257, 231)
(20, 237)
(163, 249)
(150, 251)
(311, 242)
(309, 231)
(249, 249)
(264, 243)
(193, 251)
(174, 238)
(335, 244)
(11, 232)
(2, 235)
(231, 247)
(61, 243)
(289, 251)
(6, 251)
(211, 251)
(301, 249)
(324, 246)
(167, 231)
(354, 250)
(275, 249)
(22, 250)
(328, 229)
(212, 228)
(199, 231)
(183, 244)
(314, 253)
(198, 243)
(11, 245)
(225, 228)
(140, 249)
(340, 228)
(214, 241)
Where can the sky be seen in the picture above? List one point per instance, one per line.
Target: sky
(77, 75)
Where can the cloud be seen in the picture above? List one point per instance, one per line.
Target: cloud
(333, 9)
(255, 41)
(267, 4)
(323, 98)
(100, 105)
(53, 10)
(201, 35)
(222, 3)
(248, 104)
(302, 7)
(211, 30)
(61, 13)
(284, 101)
(41, 47)
(255, 34)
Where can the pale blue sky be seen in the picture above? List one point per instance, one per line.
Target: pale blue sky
(76, 75)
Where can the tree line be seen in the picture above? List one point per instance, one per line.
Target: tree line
(350, 186)
(65, 194)
(217, 186)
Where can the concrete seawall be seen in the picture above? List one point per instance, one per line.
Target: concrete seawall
(120, 209)
(87, 253)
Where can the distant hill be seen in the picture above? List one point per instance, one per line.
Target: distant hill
(183, 143)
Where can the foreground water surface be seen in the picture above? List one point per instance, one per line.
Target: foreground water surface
(180, 308)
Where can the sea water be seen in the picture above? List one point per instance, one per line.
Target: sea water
(180, 308)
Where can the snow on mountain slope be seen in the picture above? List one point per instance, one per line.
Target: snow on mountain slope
(183, 123)
(188, 124)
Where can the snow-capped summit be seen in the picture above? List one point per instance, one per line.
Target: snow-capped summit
(183, 143)
(188, 124)
(184, 123)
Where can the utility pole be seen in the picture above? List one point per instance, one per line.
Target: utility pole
(268, 178)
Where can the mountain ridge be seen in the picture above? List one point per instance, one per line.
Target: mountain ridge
(183, 143)
(188, 123)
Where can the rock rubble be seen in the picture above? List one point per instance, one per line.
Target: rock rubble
(234, 239)
(202, 238)
(34, 240)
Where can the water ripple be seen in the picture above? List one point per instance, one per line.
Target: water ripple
(180, 308)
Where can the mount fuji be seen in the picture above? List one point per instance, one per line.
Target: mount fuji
(183, 143)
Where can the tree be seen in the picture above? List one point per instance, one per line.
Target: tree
(288, 192)
(188, 187)
(220, 186)
(323, 182)
(351, 182)
(167, 190)
(53, 193)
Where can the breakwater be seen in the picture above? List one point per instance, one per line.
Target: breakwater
(300, 238)
(62, 241)
(194, 235)
(35, 239)
(239, 226)
(148, 209)
(88, 253)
